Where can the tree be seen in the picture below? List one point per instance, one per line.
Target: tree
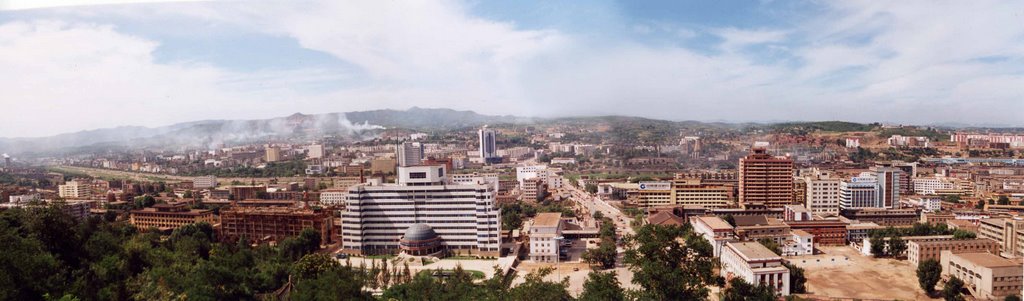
(598, 215)
(964, 234)
(771, 245)
(604, 255)
(740, 290)
(337, 283)
(897, 246)
(1012, 298)
(951, 291)
(877, 246)
(730, 219)
(797, 279)
(928, 274)
(536, 288)
(591, 188)
(511, 221)
(666, 269)
(1003, 200)
(602, 286)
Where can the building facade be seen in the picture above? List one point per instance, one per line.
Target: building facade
(755, 264)
(464, 216)
(986, 276)
(170, 216)
(766, 179)
(273, 223)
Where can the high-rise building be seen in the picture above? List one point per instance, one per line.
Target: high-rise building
(273, 153)
(316, 151)
(889, 180)
(822, 194)
(766, 179)
(488, 145)
(458, 218)
(409, 153)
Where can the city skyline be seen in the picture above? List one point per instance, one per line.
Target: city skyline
(153, 64)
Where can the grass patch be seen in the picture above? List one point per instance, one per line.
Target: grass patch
(380, 256)
(462, 258)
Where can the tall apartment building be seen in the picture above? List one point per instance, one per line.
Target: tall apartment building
(75, 190)
(409, 153)
(889, 180)
(488, 145)
(170, 216)
(273, 153)
(766, 179)
(464, 216)
(273, 223)
(822, 193)
(695, 191)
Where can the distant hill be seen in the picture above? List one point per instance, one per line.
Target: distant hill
(215, 132)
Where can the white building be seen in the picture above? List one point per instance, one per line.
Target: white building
(927, 204)
(879, 188)
(545, 237)
(409, 154)
(852, 142)
(75, 189)
(333, 196)
(529, 172)
(488, 144)
(715, 230)
(204, 182)
(931, 185)
(563, 161)
(24, 198)
(799, 243)
(822, 194)
(756, 264)
(464, 216)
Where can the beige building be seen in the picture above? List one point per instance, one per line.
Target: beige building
(919, 251)
(715, 230)
(694, 191)
(75, 190)
(545, 237)
(382, 166)
(273, 154)
(756, 227)
(654, 194)
(534, 189)
(985, 275)
(822, 194)
(1008, 232)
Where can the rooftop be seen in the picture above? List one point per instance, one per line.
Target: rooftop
(547, 219)
(716, 223)
(987, 260)
(753, 250)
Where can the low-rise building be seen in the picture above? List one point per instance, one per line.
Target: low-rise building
(715, 230)
(755, 264)
(758, 227)
(919, 251)
(170, 216)
(799, 243)
(545, 237)
(985, 275)
(258, 224)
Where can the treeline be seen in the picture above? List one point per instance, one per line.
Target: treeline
(289, 168)
(48, 255)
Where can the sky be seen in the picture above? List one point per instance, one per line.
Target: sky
(67, 66)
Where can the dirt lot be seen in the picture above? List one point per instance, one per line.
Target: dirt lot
(843, 273)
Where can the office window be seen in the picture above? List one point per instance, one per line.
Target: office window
(417, 175)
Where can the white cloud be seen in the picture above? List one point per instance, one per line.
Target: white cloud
(906, 61)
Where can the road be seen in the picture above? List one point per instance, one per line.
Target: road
(594, 203)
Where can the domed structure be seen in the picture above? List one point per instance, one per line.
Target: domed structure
(419, 240)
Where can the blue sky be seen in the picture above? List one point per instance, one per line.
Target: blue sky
(104, 63)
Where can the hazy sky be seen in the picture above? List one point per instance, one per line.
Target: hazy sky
(69, 68)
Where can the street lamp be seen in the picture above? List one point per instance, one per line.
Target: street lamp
(558, 254)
